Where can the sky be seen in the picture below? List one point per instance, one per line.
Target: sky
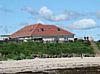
(82, 17)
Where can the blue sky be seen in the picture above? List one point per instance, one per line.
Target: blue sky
(81, 17)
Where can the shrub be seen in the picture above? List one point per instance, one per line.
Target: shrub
(24, 50)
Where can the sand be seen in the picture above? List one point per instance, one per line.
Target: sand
(42, 64)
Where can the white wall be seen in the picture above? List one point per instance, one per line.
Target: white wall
(72, 39)
(48, 39)
(52, 39)
(61, 39)
(3, 38)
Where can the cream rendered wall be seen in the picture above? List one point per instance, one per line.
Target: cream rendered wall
(48, 39)
(3, 38)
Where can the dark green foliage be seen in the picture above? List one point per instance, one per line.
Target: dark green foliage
(98, 41)
(25, 50)
(98, 44)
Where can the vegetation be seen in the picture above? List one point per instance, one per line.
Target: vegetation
(98, 43)
(25, 50)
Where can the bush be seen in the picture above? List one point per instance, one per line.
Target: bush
(24, 50)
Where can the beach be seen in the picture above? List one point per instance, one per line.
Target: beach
(44, 64)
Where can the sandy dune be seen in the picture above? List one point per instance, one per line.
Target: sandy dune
(41, 64)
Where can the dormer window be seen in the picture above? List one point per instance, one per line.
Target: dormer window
(41, 29)
(58, 29)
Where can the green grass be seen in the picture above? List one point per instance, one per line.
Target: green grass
(98, 44)
(24, 50)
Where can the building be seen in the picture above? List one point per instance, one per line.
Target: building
(42, 32)
(4, 37)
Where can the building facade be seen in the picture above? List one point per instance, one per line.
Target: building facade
(4, 37)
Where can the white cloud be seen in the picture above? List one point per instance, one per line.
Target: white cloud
(83, 24)
(30, 10)
(47, 13)
(73, 14)
(60, 17)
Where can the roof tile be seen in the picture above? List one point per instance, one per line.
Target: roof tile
(40, 30)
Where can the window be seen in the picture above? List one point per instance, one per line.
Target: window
(59, 29)
(41, 29)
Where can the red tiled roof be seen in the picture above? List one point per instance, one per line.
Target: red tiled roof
(40, 30)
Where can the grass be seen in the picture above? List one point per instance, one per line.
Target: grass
(25, 50)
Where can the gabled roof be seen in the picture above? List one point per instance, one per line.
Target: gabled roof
(40, 30)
